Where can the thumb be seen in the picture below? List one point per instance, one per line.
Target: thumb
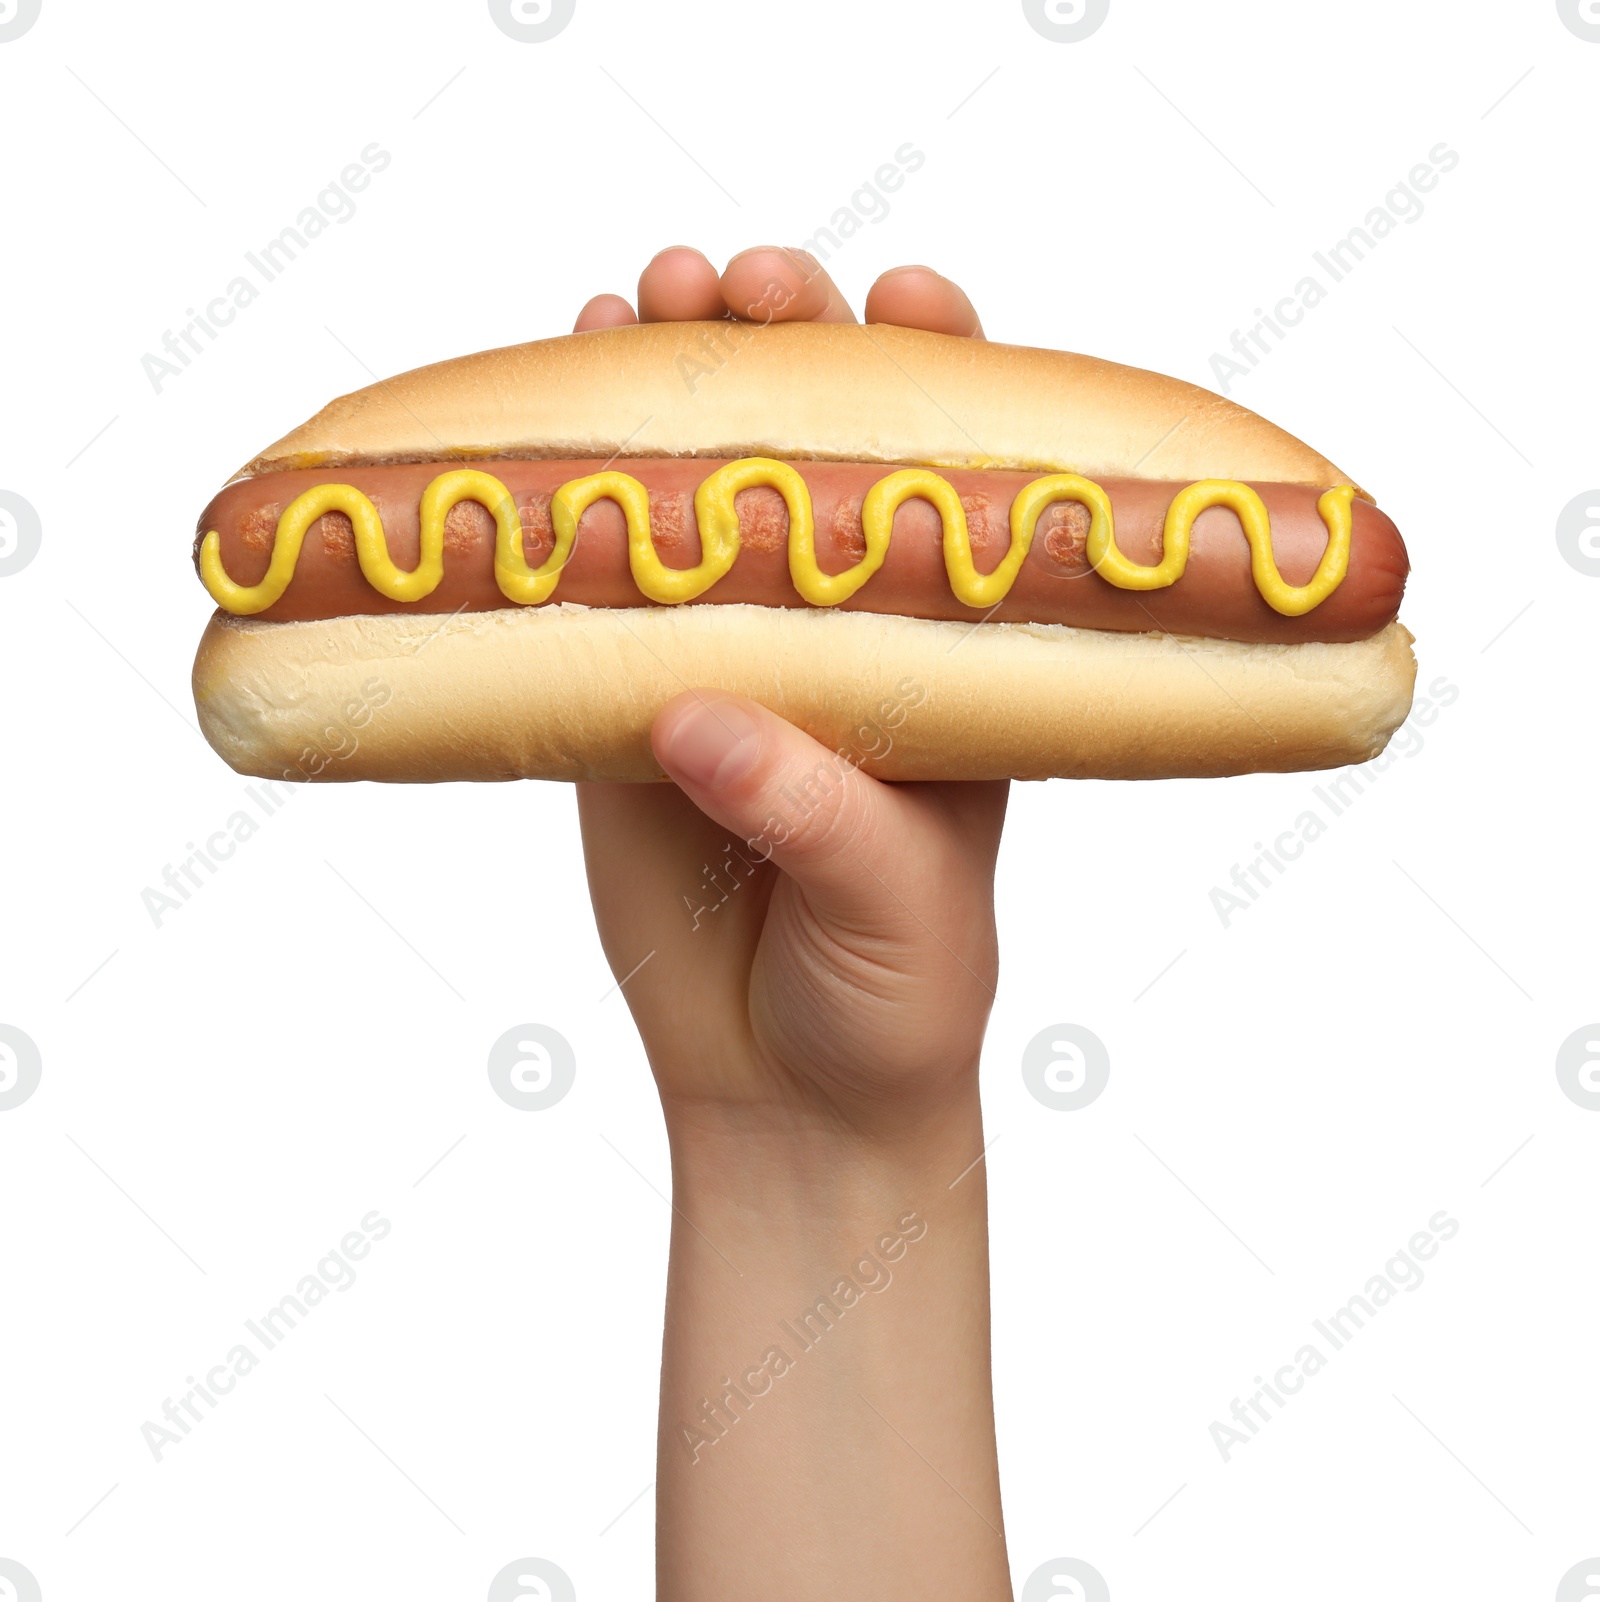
(815, 814)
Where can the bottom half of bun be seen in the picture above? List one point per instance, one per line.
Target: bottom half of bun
(569, 692)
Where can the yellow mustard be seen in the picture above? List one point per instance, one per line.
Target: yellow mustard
(717, 517)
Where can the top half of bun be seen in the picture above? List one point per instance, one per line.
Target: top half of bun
(826, 391)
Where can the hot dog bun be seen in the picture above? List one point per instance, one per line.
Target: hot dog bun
(568, 692)
(825, 391)
(565, 691)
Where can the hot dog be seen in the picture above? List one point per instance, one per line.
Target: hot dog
(1216, 598)
(1159, 582)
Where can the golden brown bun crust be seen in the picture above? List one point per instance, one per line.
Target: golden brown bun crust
(568, 692)
(828, 391)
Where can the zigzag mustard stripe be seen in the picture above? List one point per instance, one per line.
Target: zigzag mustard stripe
(717, 517)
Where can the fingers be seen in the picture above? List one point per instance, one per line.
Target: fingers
(841, 835)
(679, 285)
(918, 297)
(604, 311)
(773, 284)
(770, 283)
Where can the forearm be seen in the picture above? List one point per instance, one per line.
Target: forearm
(827, 1419)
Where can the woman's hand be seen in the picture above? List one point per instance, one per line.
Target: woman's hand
(797, 940)
(810, 957)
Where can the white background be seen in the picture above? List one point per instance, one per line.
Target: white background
(1290, 1100)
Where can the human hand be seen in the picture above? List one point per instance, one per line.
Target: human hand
(798, 941)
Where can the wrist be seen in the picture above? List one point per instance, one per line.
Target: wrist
(741, 1154)
(790, 1198)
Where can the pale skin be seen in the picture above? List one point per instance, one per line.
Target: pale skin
(815, 1042)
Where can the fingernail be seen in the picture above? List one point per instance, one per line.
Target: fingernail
(910, 267)
(712, 744)
(668, 249)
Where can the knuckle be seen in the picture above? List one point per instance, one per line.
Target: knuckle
(822, 809)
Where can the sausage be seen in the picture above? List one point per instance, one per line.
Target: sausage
(1216, 597)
